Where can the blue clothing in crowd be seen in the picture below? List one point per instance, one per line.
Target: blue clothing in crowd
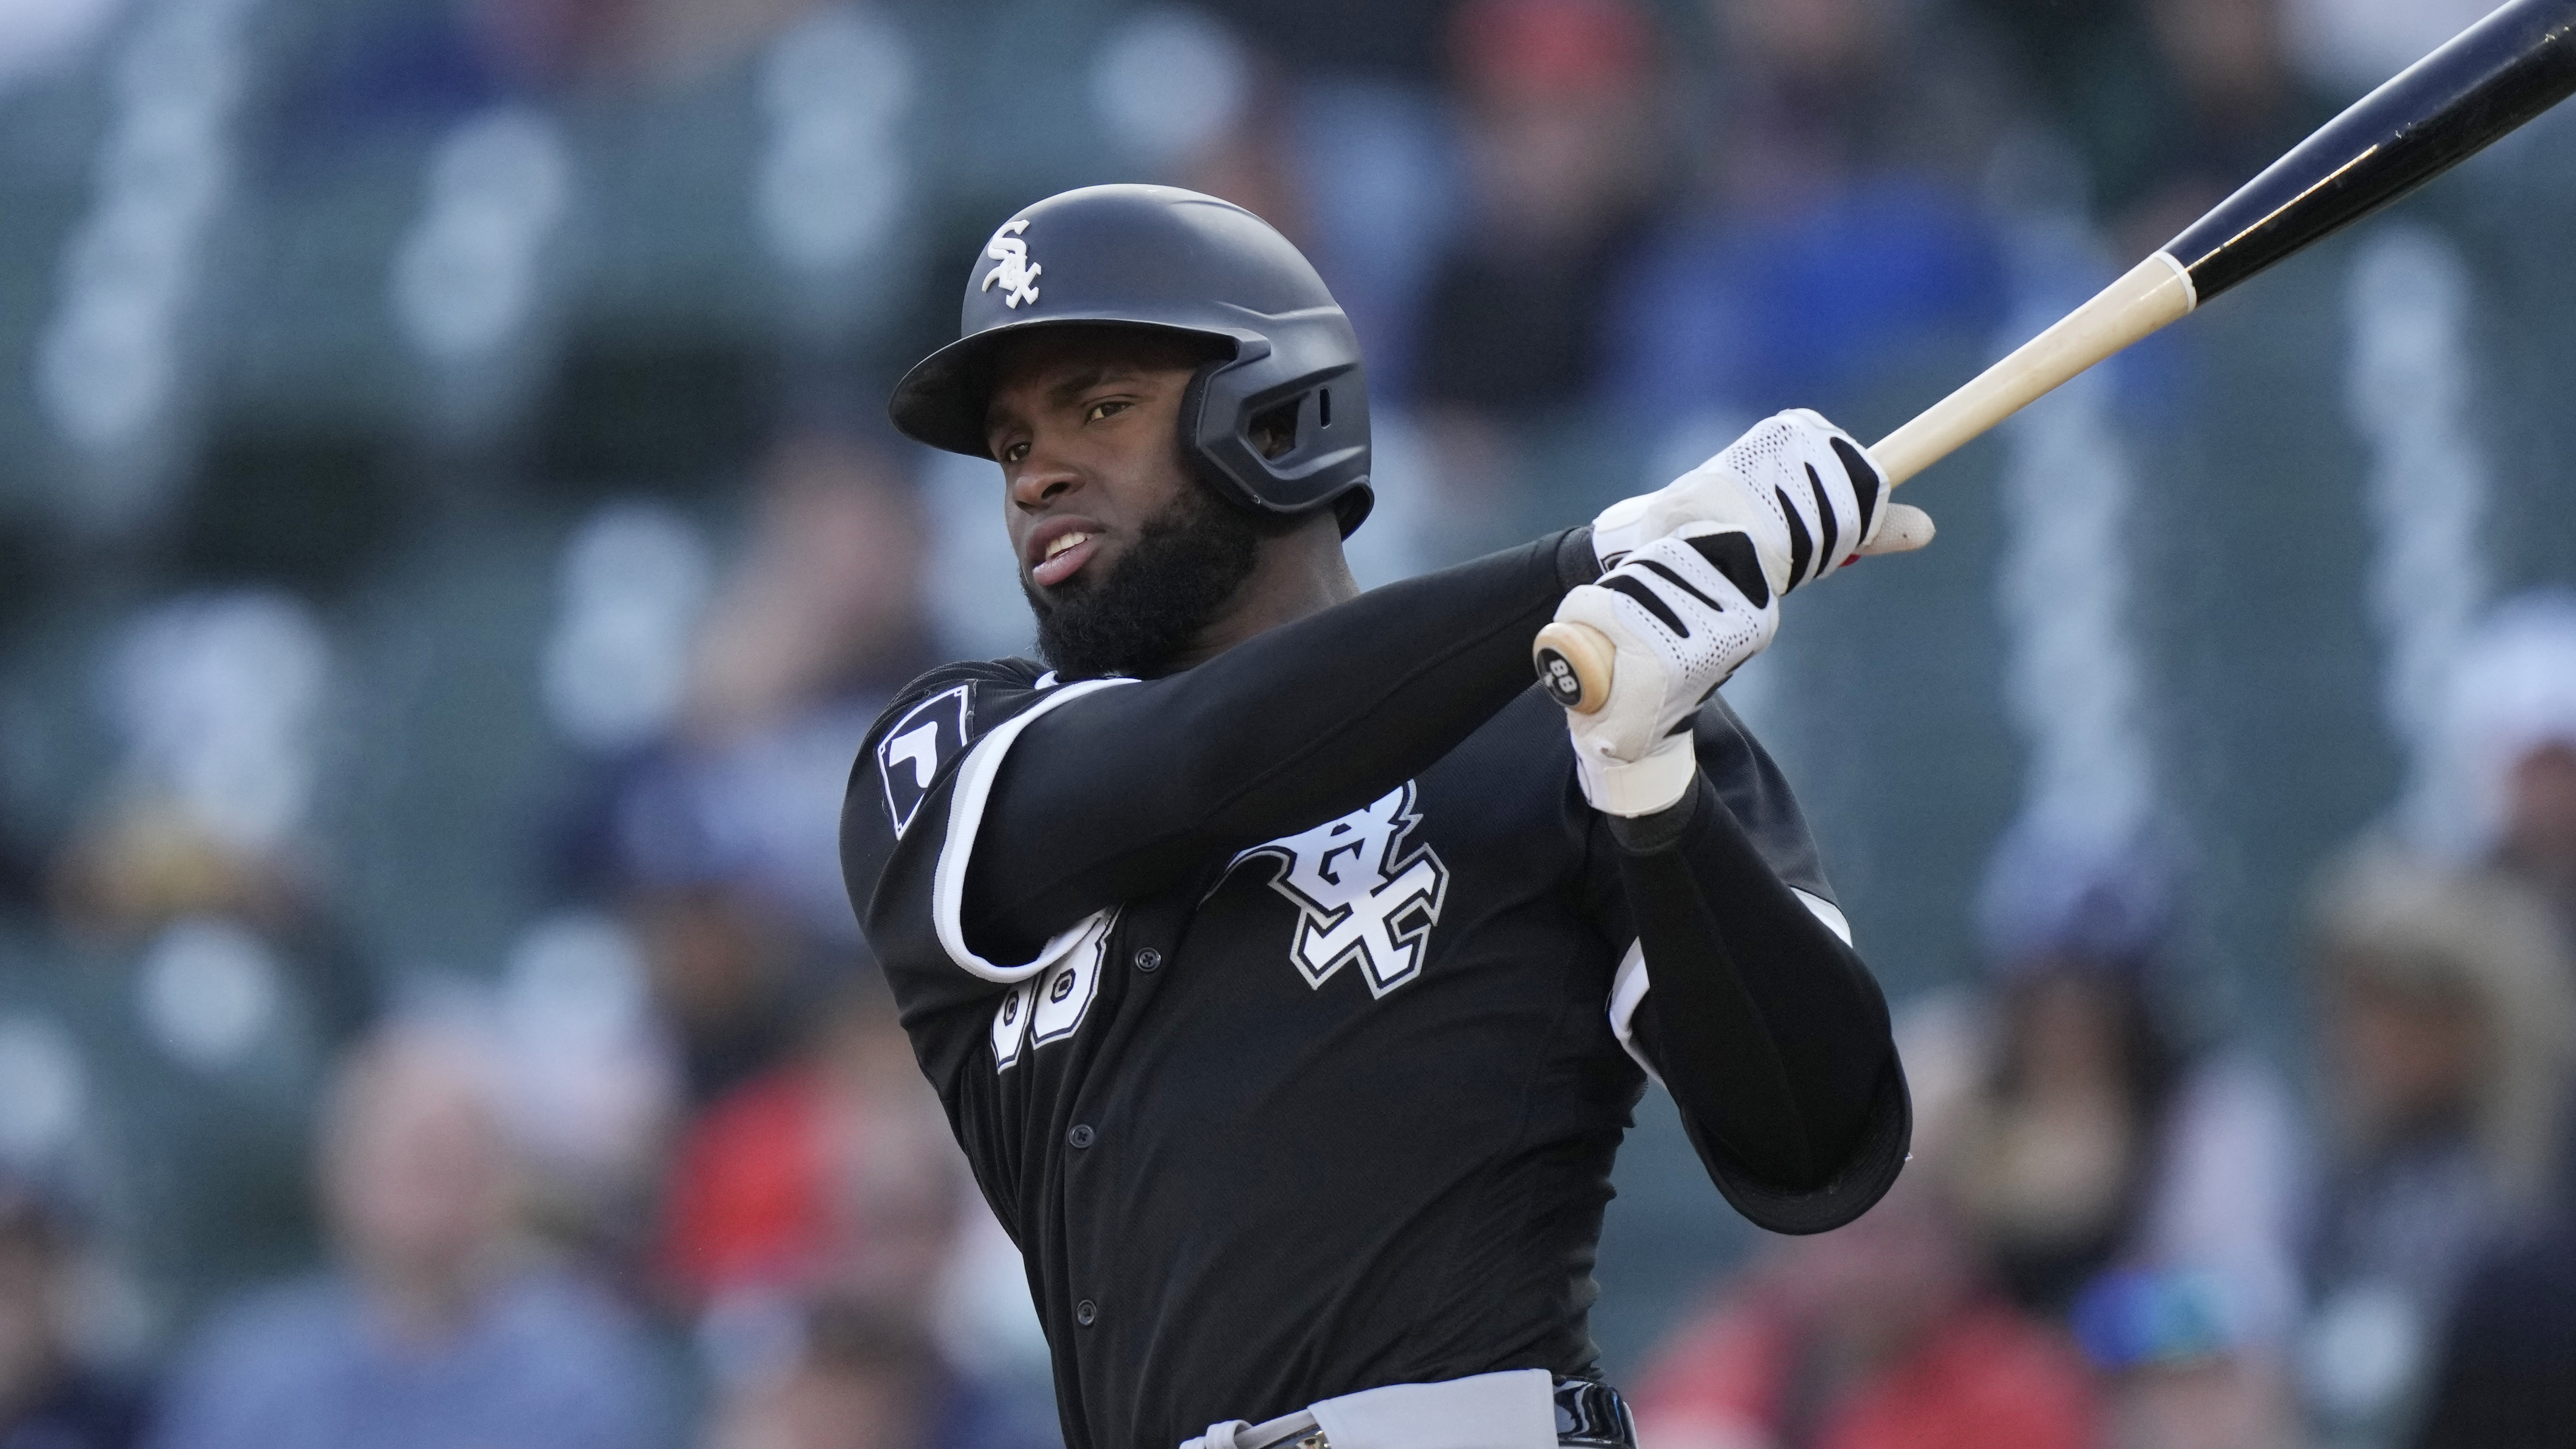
(1759, 313)
(545, 1364)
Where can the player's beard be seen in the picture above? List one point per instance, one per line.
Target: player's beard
(1187, 562)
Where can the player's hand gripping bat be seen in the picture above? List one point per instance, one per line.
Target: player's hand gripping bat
(2492, 77)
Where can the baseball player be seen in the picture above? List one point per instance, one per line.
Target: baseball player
(1289, 965)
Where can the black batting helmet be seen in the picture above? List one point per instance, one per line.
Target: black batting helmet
(1174, 261)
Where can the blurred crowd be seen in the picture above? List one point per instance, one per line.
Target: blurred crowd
(2118, 1227)
(450, 550)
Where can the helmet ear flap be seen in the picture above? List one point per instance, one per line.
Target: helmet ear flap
(1272, 434)
(1194, 448)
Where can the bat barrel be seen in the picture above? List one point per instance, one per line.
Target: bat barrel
(2490, 78)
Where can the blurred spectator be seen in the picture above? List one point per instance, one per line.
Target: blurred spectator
(681, 40)
(2068, 53)
(862, 1377)
(590, 1079)
(2504, 788)
(1181, 97)
(20, 880)
(825, 1204)
(1394, 37)
(217, 701)
(2226, 104)
(825, 603)
(2138, 1182)
(726, 971)
(418, 62)
(196, 868)
(1560, 103)
(1822, 93)
(722, 837)
(2507, 1375)
(1873, 1337)
(2173, 103)
(2178, 1365)
(1887, 1334)
(2449, 1024)
(2103, 1136)
(834, 1168)
(2539, 844)
(1839, 237)
(439, 1328)
(50, 1399)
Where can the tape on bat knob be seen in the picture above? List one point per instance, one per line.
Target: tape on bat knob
(1574, 663)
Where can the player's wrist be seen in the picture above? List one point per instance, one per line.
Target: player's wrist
(1660, 830)
(1577, 563)
(1646, 786)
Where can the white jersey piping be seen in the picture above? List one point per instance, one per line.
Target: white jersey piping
(973, 787)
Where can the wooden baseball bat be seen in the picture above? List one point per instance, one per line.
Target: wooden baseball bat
(2492, 77)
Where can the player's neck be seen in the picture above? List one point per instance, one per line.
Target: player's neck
(1301, 572)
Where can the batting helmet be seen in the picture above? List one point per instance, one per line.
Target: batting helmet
(1174, 261)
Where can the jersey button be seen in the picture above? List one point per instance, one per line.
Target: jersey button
(1081, 1135)
(1085, 1311)
(1148, 959)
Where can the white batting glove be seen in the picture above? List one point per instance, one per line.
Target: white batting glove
(1802, 489)
(1683, 611)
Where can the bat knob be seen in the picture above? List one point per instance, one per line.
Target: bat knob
(1575, 663)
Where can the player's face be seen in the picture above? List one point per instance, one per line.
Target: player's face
(1086, 426)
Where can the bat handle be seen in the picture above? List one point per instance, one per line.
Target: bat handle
(2149, 295)
(1574, 662)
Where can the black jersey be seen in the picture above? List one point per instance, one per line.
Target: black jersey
(1308, 1113)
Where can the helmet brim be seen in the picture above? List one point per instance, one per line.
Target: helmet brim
(944, 399)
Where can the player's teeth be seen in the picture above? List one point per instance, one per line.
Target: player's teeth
(1064, 542)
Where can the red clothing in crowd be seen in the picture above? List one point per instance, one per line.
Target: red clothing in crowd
(746, 1201)
(1985, 1376)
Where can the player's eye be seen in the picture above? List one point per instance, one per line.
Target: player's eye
(1014, 452)
(1107, 409)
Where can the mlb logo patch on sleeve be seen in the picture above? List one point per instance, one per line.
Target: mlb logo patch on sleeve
(909, 756)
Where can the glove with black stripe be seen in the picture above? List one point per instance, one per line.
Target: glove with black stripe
(1802, 489)
(1682, 612)
(1696, 572)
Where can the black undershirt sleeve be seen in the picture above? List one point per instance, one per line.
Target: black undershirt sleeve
(1767, 1029)
(1123, 793)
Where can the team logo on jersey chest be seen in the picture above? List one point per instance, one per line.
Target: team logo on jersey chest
(910, 754)
(1361, 898)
